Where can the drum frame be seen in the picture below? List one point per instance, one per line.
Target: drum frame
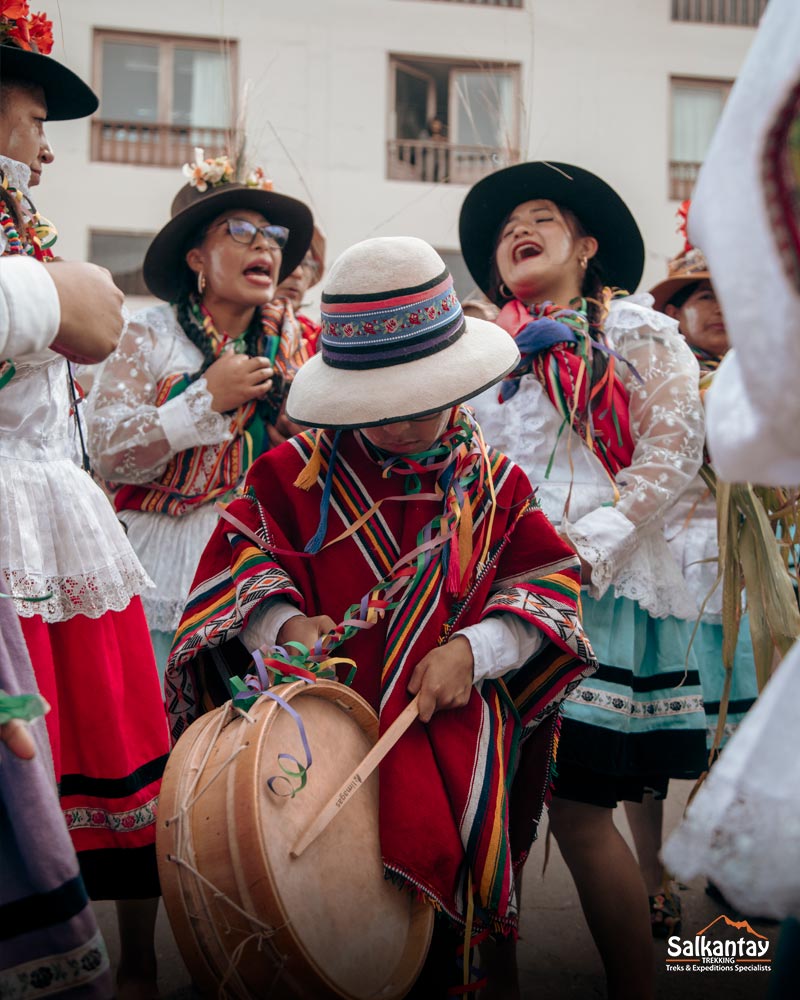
(211, 887)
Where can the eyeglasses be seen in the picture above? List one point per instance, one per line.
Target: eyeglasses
(245, 232)
(311, 264)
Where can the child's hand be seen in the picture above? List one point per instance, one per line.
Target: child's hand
(18, 740)
(305, 630)
(443, 678)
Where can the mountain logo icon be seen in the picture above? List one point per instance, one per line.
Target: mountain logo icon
(737, 925)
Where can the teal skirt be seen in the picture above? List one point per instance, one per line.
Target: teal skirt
(641, 715)
(707, 646)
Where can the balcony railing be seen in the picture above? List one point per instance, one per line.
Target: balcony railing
(442, 162)
(744, 12)
(489, 3)
(153, 144)
(682, 179)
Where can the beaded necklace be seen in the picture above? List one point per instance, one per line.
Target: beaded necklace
(39, 234)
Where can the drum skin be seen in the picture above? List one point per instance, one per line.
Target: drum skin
(250, 920)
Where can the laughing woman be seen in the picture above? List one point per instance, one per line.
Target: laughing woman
(182, 408)
(604, 415)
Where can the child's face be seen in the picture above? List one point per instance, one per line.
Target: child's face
(407, 437)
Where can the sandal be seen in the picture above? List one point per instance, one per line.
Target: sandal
(665, 914)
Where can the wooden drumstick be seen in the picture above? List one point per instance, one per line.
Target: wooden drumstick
(342, 796)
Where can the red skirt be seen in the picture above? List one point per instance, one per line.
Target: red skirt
(108, 732)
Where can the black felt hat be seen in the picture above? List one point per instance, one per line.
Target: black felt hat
(164, 264)
(600, 209)
(67, 96)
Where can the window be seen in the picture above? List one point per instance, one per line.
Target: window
(451, 122)
(123, 255)
(696, 107)
(160, 97)
(745, 12)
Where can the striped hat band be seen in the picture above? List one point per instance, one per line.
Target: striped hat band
(380, 329)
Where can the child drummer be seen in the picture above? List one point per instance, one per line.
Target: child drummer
(397, 521)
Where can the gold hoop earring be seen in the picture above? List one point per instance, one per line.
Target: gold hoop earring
(201, 283)
(505, 291)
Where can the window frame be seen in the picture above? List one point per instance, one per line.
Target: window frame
(414, 64)
(677, 185)
(166, 45)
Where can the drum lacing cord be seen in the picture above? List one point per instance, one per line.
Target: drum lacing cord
(265, 931)
(222, 722)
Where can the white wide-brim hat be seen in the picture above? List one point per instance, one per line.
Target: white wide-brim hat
(395, 343)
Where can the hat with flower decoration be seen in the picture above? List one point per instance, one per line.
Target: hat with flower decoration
(395, 343)
(213, 189)
(686, 268)
(25, 41)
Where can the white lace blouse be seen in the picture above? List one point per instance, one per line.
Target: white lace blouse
(131, 440)
(59, 535)
(623, 542)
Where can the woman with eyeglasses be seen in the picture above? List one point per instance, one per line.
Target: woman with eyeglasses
(189, 399)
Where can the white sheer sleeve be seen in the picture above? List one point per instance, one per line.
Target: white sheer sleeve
(130, 438)
(666, 417)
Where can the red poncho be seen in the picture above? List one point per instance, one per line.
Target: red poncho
(445, 788)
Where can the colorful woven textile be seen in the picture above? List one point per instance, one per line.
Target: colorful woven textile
(392, 524)
(596, 410)
(203, 474)
(708, 362)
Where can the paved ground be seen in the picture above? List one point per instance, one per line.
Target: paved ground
(557, 956)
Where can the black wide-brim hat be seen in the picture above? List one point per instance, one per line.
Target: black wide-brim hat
(602, 213)
(67, 96)
(165, 266)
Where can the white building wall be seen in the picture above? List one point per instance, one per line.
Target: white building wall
(594, 91)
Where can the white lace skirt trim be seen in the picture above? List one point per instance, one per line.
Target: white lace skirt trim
(59, 535)
(170, 549)
(743, 828)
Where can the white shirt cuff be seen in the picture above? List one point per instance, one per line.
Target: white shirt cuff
(501, 643)
(265, 623)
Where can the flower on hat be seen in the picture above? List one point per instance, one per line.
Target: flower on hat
(207, 172)
(32, 32)
(256, 178)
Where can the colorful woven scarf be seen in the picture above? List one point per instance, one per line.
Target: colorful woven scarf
(557, 347)
(36, 238)
(708, 362)
(203, 474)
(459, 462)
